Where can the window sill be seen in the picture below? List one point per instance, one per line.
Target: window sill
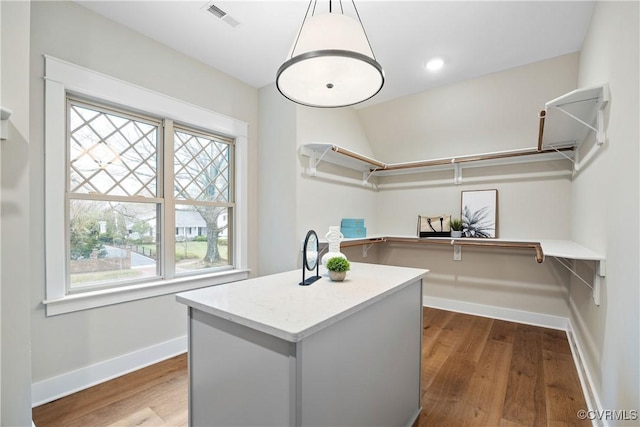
(101, 298)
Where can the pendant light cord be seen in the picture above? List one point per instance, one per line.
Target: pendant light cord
(306, 15)
(363, 30)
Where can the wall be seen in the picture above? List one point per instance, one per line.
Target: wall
(292, 202)
(606, 193)
(323, 201)
(492, 113)
(83, 340)
(15, 408)
(278, 246)
(396, 131)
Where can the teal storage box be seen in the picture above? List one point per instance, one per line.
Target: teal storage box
(350, 232)
(352, 222)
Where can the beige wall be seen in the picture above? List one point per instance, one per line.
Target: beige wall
(323, 201)
(607, 193)
(291, 201)
(490, 113)
(15, 264)
(534, 199)
(70, 32)
(278, 246)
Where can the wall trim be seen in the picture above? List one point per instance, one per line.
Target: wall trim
(588, 386)
(527, 317)
(63, 385)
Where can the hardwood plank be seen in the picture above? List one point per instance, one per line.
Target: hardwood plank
(446, 340)
(435, 317)
(564, 397)
(502, 331)
(474, 341)
(117, 411)
(556, 341)
(171, 404)
(144, 417)
(525, 400)
(507, 423)
(443, 402)
(74, 408)
(485, 394)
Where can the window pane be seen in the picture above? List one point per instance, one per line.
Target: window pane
(202, 238)
(201, 168)
(111, 154)
(112, 242)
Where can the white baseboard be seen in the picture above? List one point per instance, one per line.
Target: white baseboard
(588, 389)
(71, 382)
(519, 316)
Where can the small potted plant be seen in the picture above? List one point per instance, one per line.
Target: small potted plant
(456, 227)
(338, 267)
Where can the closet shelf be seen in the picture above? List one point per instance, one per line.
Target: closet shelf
(560, 250)
(569, 119)
(564, 125)
(497, 243)
(335, 154)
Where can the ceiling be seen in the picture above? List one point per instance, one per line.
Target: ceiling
(474, 38)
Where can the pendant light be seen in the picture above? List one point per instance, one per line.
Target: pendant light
(331, 62)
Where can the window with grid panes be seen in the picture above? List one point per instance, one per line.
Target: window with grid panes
(132, 182)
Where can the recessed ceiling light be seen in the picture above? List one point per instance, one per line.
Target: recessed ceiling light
(435, 64)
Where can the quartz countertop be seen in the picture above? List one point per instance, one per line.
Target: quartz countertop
(278, 306)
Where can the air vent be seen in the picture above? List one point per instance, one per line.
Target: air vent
(222, 15)
(216, 11)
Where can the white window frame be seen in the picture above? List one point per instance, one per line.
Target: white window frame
(62, 77)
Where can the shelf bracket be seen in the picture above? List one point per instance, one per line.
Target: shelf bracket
(564, 155)
(365, 249)
(599, 128)
(597, 276)
(600, 132)
(314, 161)
(457, 170)
(457, 252)
(599, 273)
(366, 175)
(579, 120)
(5, 113)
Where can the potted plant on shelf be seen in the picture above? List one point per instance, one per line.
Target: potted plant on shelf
(456, 227)
(338, 268)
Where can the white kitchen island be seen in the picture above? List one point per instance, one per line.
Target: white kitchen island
(268, 352)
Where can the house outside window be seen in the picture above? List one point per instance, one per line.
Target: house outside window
(145, 194)
(114, 163)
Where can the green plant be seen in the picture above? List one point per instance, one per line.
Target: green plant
(338, 264)
(476, 224)
(455, 224)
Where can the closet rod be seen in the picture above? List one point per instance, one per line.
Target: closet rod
(362, 242)
(343, 151)
(542, 116)
(474, 158)
(464, 242)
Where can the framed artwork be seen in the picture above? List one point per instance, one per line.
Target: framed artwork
(479, 210)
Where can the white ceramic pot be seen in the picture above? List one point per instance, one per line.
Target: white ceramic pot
(456, 234)
(337, 276)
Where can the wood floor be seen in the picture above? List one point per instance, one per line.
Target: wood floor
(475, 372)
(484, 372)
